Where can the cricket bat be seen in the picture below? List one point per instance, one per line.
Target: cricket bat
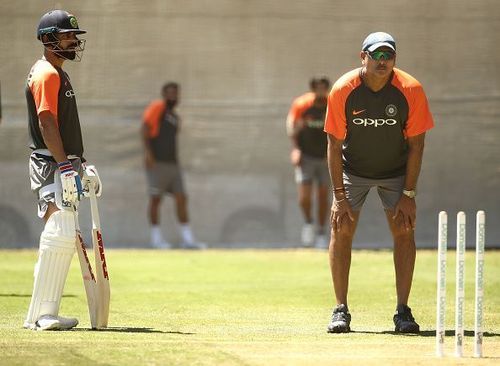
(0, 103)
(101, 270)
(89, 280)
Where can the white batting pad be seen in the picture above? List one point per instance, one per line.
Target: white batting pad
(57, 245)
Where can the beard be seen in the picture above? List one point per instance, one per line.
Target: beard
(171, 103)
(320, 101)
(68, 55)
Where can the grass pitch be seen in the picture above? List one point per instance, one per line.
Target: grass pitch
(244, 307)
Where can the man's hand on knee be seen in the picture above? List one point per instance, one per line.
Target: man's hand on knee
(341, 214)
(405, 213)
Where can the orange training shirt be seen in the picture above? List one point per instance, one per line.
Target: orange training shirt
(375, 125)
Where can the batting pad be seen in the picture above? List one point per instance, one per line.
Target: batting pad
(57, 245)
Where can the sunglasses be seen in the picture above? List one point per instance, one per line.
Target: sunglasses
(381, 55)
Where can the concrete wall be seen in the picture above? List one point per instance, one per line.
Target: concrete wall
(240, 63)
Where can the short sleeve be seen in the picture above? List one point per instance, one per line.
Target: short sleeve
(293, 113)
(151, 117)
(147, 116)
(299, 106)
(44, 87)
(335, 120)
(419, 115)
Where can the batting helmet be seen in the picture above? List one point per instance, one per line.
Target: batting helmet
(58, 21)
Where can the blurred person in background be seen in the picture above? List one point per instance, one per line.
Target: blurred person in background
(305, 123)
(160, 127)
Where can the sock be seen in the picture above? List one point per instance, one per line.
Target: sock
(187, 234)
(156, 235)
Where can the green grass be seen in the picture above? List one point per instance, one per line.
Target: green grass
(246, 307)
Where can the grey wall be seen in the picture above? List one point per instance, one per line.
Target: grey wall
(240, 64)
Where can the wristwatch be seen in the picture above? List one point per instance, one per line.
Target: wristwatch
(410, 194)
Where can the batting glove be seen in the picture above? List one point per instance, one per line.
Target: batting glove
(91, 178)
(70, 182)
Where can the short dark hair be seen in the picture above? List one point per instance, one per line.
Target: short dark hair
(170, 84)
(314, 82)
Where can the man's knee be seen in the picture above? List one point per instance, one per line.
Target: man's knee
(305, 194)
(403, 236)
(305, 200)
(323, 192)
(155, 200)
(181, 196)
(344, 235)
(181, 200)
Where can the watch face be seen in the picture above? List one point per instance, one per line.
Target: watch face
(410, 194)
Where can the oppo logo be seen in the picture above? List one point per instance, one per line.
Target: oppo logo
(374, 122)
(70, 93)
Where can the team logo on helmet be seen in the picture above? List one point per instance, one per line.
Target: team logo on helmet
(391, 110)
(73, 21)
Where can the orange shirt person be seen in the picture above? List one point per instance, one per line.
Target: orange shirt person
(305, 123)
(376, 122)
(160, 126)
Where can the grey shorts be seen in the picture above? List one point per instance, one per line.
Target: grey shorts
(357, 188)
(164, 178)
(45, 179)
(312, 170)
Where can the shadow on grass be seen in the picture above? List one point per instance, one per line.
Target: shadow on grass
(426, 333)
(131, 330)
(26, 295)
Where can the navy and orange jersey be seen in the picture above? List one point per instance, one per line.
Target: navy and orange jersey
(162, 125)
(48, 88)
(299, 105)
(375, 126)
(311, 138)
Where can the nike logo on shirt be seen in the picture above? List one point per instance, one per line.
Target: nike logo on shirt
(355, 112)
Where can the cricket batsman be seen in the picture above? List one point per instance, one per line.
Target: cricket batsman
(56, 165)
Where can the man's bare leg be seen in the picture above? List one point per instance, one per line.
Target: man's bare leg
(323, 205)
(305, 193)
(188, 240)
(340, 264)
(157, 240)
(404, 264)
(154, 210)
(305, 202)
(340, 257)
(404, 257)
(181, 207)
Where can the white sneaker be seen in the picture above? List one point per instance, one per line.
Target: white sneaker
(194, 246)
(67, 323)
(321, 242)
(161, 245)
(307, 235)
(157, 240)
(51, 322)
